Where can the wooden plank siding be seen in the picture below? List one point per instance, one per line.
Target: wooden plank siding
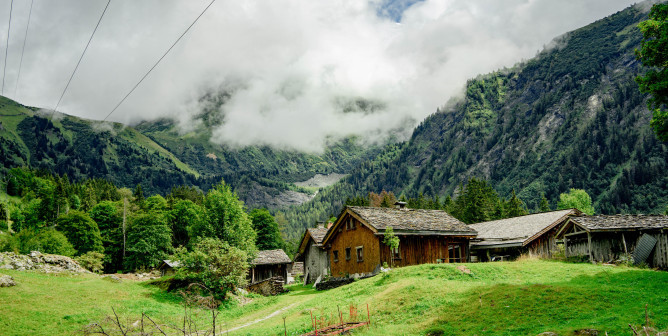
(544, 246)
(609, 246)
(416, 250)
(360, 235)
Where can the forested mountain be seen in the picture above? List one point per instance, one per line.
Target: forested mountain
(572, 117)
(157, 156)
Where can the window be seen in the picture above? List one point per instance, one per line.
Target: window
(347, 253)
(395, 253)
(336, 256)
(455, 253)
(350, 224)
(360, 254)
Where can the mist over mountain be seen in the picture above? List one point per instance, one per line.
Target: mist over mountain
(289, 66)
(572, 117)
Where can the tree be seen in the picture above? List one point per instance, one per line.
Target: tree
(108, 218)
(515, 207)
(46, 241)
(578, 199)
(138, 195)
(155, 203)
(214, 264)
(391, 241)
(653, 54)
(268, 235)
(227, 217)
(544, 204)
(184, 218)
(478, 202)
(81, 231)
(149, 241)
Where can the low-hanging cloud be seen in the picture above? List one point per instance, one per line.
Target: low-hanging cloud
(298, 73)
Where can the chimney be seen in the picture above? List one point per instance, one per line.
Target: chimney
(400, 205)
(321, 225)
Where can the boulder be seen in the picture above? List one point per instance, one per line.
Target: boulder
(7, 281)
(111, 277)
(49, 263)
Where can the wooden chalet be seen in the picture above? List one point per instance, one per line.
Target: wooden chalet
(313, 254)
(355, 241)
(608, 238)
(269, 264)
(508, 238)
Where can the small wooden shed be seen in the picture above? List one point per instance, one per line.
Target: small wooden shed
(534, 234)
(313, 254)
(269, 264)
(168, 267)
(607, 238)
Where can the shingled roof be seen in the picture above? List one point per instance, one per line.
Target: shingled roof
(270, 257)
(318, 234)
(518, 230)
(621, 222)
(412, 220)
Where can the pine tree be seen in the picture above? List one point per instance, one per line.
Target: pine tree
(544, 204)
(515, 207)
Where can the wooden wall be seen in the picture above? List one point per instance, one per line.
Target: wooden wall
(545, 245)
(415, 250)
(263, 272)
(608, 247)
(359, 236)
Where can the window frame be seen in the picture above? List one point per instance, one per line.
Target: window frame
(335, 255)
(348, 253)
(359, 252)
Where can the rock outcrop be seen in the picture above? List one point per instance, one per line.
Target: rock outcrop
(7, 281)
(49, 263)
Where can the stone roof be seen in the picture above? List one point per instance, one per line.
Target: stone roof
(412, 220)
(622, 222)
(171, 263)
(269, 257)
(518, 229)
(318, 234)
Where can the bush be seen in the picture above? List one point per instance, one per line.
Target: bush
(214, 264)
(50, 241)
(91, 261)
(8, 243)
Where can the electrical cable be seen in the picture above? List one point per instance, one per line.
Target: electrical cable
(25, 38)
(80, 58)
(156, 63)
(9, 28)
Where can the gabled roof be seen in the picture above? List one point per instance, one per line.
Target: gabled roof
(404, 221)
(170, 263)
(315, 234)
(519, 231)
(270, 257)
(621, 222)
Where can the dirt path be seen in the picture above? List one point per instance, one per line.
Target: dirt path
(262, 319)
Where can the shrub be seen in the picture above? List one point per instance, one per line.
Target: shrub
(91, 261)
(214, 264)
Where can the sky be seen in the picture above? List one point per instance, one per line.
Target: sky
(299, 73)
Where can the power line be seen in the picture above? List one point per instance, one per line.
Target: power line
(25, 38)
(4, 71)
(156, 63)
(80, 58)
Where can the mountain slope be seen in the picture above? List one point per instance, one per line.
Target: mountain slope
(84, 149)
(570, 118)
(156, 155)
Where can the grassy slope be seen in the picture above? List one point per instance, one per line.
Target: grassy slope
(515, 298)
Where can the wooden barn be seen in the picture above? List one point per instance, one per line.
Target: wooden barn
(269, 264)
(601, 238)
(355, 241)
(313, 254)
(508, 238)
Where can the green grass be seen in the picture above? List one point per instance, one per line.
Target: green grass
(512, 298)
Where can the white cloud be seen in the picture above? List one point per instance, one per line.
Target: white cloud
(294, 61)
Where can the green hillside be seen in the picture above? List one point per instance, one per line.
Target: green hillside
(506, 298)
(86, 149)
(156, 155)
(572, 117)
